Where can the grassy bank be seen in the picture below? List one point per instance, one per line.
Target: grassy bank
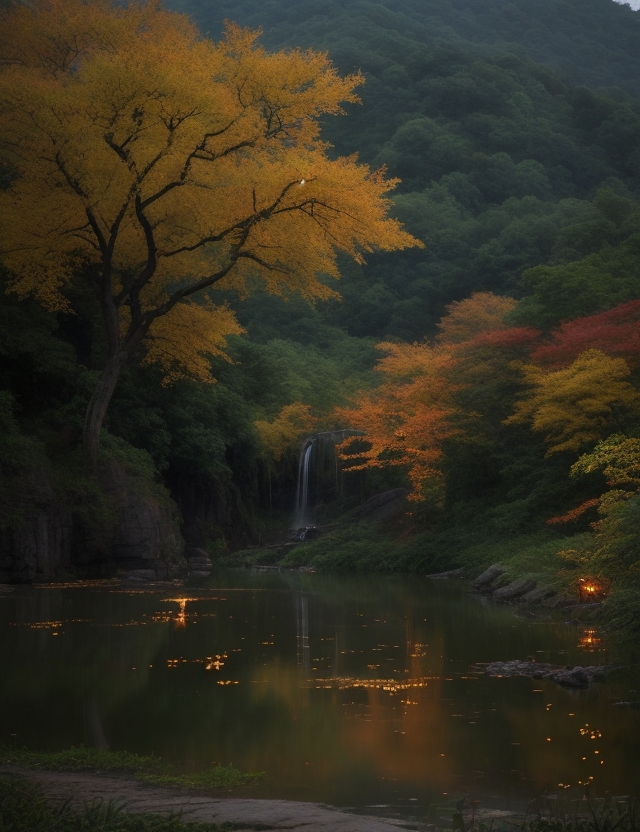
(371, 547)
(544, 556)
(149, 769)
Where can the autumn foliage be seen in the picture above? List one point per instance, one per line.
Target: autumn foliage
(577, 405)
(407, 418)
(152, 165)
(481, 314)
(424, 399)
(615, 332)
(285, 432)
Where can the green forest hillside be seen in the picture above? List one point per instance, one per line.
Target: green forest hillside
(592, 42)
(467, 129)
(514, 131)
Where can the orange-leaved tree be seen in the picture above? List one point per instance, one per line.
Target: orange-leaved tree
(407, 418)
(419, 404)
(152, 164)
(474, 316)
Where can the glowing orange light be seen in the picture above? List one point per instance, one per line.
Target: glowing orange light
(590, 589)
(180, 620)
(589, 640)
(214, 664)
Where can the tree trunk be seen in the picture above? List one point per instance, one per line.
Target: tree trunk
(97, 408)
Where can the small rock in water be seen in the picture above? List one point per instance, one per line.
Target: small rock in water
(574, 677)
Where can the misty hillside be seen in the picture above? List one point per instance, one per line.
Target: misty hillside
(592, 42)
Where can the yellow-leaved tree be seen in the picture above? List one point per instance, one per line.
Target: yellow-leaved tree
(152, 164)
(577, 405)
(286, 431)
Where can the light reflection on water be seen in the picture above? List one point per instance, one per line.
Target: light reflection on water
(353, 690)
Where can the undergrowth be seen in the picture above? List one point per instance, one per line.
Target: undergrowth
(547, 813)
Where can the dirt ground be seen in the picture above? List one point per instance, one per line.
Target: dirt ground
(247, 815)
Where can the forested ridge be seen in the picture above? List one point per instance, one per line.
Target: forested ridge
(494, 372)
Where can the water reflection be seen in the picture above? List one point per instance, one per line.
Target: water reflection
(589, 640)
(302, 633)
(350, 691)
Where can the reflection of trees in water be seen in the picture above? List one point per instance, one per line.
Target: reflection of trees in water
(333, 681)
(95, 724)
(83, 676)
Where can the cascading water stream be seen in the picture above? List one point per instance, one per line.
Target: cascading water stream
(301, 518)
(318, 457)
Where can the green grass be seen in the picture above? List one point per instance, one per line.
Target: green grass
(607, 814)
(218, 777)
(81, 758)
(150, 769)
(25, 807)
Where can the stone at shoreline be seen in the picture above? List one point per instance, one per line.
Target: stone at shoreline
(488, 577)
(574, 677)
(536, 596)
(514, 590)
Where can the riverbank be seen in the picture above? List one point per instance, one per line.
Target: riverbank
(38, 801)
(245, 814)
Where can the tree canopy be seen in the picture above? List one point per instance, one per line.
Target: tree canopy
(152, 164)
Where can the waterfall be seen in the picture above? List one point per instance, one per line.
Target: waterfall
(302, 518)
(318, 458)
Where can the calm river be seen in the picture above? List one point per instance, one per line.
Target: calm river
(353, 691)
